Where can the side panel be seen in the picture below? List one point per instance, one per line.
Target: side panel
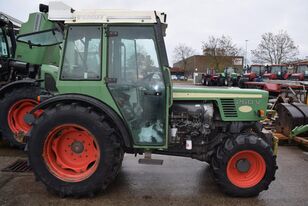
(233, 105)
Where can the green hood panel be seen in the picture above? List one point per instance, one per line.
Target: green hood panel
(234, 104)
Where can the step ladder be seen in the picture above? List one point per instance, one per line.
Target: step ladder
(149, 161)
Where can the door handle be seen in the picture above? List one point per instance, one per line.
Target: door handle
(152, 93)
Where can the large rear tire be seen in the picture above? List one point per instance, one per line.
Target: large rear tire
(244, 166)
(74, 151)
(15, 104)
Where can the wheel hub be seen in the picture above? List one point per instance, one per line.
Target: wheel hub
(77, 147)
(71, 152)
(246, 168)
(16, 115)
(243, 165)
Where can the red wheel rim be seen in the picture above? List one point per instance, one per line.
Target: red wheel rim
(253, 175)
(71, 153)
(17, 113)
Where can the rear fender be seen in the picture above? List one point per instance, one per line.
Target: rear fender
(88, 102)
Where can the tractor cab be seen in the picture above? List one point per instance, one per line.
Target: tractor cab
(254, 72)
(210, 78)
(229, 71)
(231, 76)
(276, 72)
(119, 58)
(301, 73)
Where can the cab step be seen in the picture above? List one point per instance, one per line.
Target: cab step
(147, 160)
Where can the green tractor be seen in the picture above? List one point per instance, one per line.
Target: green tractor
(113, 95)
(20, 66)
(229, 77)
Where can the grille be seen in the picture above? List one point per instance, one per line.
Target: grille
(228, 107)
(18, 166)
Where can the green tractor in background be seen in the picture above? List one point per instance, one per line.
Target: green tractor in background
(113, 95)
(9, 28)
(21, 66)
(229, 77)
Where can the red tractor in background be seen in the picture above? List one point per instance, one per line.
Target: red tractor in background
(210, 78)
(300, 73)
(252, 74)
(276, 72)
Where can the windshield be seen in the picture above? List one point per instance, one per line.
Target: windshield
(302, 69)
(42, 38)
(278, 69)
(230, 70)
(257, 69)
(275, 69)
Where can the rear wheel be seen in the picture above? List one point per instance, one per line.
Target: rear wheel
(74, 151)
(15, 104)
(244, 166)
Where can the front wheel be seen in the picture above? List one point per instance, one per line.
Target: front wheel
(241, 83)
(74, 151)
(244, 166)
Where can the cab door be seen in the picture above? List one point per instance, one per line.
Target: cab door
(136, 83)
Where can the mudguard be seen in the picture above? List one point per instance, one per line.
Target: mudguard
(18, 83)
(89, 101)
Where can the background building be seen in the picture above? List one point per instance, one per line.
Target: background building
(200, 63)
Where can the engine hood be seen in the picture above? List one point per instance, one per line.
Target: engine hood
(234, 104)
(197, 93)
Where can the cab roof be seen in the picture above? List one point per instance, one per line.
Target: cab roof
(58, 11)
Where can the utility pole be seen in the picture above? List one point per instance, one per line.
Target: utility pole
(246, 62)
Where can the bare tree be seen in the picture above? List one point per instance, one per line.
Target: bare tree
(219, 48)
(275, 49)
(181, 53)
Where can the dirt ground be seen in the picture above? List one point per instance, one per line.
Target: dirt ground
(179, 181)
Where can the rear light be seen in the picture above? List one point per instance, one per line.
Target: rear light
(38, 98)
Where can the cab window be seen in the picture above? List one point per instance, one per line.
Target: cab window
(82, 56)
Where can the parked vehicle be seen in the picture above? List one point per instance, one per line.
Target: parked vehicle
(229, 77)
(301, 73)
(108, 101)
(210, 78)
(253, 73)
(279, 71)
(21, 65)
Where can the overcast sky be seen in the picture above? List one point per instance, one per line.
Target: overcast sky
(193, 21)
